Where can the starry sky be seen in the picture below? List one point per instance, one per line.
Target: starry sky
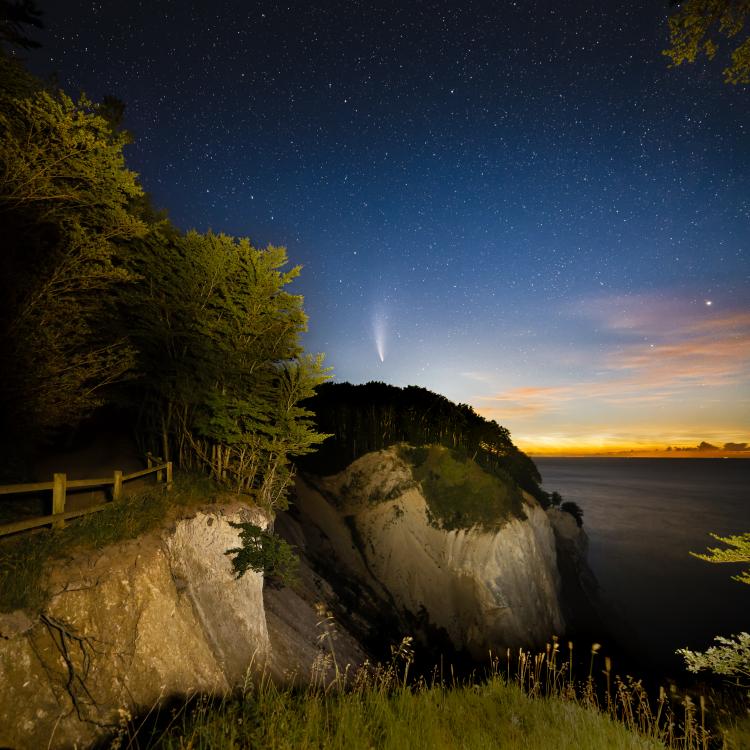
(516, 204)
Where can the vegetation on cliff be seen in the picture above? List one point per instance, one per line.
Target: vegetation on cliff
(459, 493)
(103, 301)
(370, 417)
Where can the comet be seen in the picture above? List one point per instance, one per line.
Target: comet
(379, 331)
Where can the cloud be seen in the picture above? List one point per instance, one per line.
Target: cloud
(655, 350)
(526, 401)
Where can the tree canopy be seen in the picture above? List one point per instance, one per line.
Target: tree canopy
(102, 299)
(363, 418)
(220, 368)
(66, 207)
(707, 27)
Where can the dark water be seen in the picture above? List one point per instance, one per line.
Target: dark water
(643, 517)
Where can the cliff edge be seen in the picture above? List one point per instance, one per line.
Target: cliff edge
(375, 530)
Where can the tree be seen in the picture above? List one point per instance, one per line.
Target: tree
(65, 207)
(221, 369)
(703, 26)
(736, 551)
(732, 656)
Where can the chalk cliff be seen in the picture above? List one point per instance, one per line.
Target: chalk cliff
(127, 626)
(486, 588)
(163, 615)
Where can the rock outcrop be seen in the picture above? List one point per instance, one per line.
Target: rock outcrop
(487, 589)
(163, 615)
(128, 626)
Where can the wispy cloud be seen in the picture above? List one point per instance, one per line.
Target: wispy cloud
(655, 350)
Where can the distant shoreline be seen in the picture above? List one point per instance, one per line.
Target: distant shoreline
(671, 455)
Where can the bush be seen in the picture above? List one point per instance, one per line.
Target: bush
(265, 553)
(460, 493)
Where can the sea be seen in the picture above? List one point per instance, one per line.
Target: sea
(643, 517)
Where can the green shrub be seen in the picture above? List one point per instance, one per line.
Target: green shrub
(459, 493)
(265, 553)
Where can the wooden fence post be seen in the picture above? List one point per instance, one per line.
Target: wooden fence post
(117, 486)
(148, 460)
(58, 498)
(169, 476)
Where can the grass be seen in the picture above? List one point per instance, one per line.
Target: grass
(25, 558)
(459, 493)
(532, 702)
(493, 714)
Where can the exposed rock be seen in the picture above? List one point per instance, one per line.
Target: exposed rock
(486, 589)
(128, 626)
(583, 608)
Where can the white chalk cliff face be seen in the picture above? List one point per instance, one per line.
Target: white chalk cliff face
(163, 615)
(488, 589)
(128, 626)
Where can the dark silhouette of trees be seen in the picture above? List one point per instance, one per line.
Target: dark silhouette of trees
(14, 18)
(370, 417)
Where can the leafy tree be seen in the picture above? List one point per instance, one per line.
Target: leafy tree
(221, 370)
(264, 552)
(702, 26)
(65, 207)
(732, 656)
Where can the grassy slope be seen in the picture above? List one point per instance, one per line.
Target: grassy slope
(461, 494)
(493, 715)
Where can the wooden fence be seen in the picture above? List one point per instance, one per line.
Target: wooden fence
(60, 484)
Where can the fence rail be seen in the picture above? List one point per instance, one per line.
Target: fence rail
(60, 484)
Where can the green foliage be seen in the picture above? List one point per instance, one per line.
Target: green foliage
(264, 552)
(65, 197)
(459, 493)
(732, 656)
(221, 370)
(701, 26)
(737, 551)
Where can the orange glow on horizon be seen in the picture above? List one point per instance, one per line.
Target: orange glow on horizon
(582, 448)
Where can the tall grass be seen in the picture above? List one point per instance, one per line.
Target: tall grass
(524, 701)
(377, 712)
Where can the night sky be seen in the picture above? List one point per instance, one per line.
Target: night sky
(518, 205)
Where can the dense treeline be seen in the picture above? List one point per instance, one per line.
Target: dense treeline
(103, 301)
(363, 418)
